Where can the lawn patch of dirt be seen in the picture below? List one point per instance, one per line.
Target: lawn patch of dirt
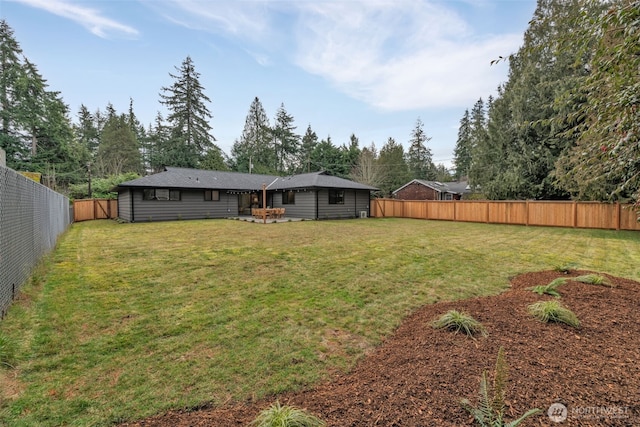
(418, 375)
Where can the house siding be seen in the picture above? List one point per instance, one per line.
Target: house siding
(354, 202)
(417, 191)
(304, 206)
(191, 206)
(124, 205)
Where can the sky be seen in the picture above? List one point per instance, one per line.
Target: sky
(371, 68)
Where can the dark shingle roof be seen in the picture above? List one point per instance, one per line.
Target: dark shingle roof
(195, 178)
(443, 187)
(316, 180)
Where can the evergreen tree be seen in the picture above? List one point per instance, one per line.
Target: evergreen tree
(286, 142)
(419, 157)
(254, 151)
(395, 169)
(188, 117)
(55, 156)
(86, 130)
(156, 149)
(308, 144)
(12, 115)
(119, 151)
(215, 159)
(464, 148)
(603, 163)
(350, 154)
(326, 157)
(527, 125)
(32, 92)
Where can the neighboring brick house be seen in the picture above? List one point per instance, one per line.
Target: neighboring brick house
(419, 189)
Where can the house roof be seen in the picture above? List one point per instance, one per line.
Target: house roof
(316, 180)
(461, 187)
(197, 178)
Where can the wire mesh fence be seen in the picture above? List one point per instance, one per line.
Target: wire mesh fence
(32, 217)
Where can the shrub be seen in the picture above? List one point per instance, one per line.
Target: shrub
(285, 416)
(592, 279)
(549, 289)
(553, 311)
(491, 398)
(456, 321)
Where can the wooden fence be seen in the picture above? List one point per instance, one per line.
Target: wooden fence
(523, 212)
(85, 210)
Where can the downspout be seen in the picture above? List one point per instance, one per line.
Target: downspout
(317, 209)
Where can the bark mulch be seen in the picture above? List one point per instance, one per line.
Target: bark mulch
(418, 375)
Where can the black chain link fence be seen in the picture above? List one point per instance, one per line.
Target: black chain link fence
(32, 217)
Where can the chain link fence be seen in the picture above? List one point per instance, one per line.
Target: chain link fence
(31, 218)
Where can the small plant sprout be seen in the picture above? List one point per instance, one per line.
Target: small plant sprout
(491, 398)
(553, 311)
(456, 321)
(550, 288)
(565, 268)
(286, 416)
(593, 279)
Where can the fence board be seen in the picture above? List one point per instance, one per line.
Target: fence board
(508, 212)
(554, 214)
(520, 212)
(86, 210)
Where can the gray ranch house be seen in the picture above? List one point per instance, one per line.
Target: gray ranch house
(182, 193)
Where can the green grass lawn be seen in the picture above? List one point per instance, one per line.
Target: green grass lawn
(127, 320)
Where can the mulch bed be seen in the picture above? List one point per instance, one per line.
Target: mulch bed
(418, 375)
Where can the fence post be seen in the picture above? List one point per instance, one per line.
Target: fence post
(575, 213)
(486, 212)
(618, 212)
(526, 212)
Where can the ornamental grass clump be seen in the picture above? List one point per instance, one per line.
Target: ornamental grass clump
(550, 288)
(286, 416)
(457, 321)
(553, 311)
(592, 279)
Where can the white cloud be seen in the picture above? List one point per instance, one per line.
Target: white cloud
(239, 19)
(399, 55)
(392, 54)
(89, 18)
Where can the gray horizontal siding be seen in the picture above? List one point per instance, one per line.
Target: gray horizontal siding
(304, 206)
(354, 202)
(124, 205)
(191, 206)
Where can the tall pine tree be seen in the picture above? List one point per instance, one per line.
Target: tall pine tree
(419, 157)
(190, 132)
(464, 148)
(286, 142)
(254, 151)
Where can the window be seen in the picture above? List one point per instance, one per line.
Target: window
(336, 197)
(160, 194)
(289, 198)
(211, 195)
(448, 196)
